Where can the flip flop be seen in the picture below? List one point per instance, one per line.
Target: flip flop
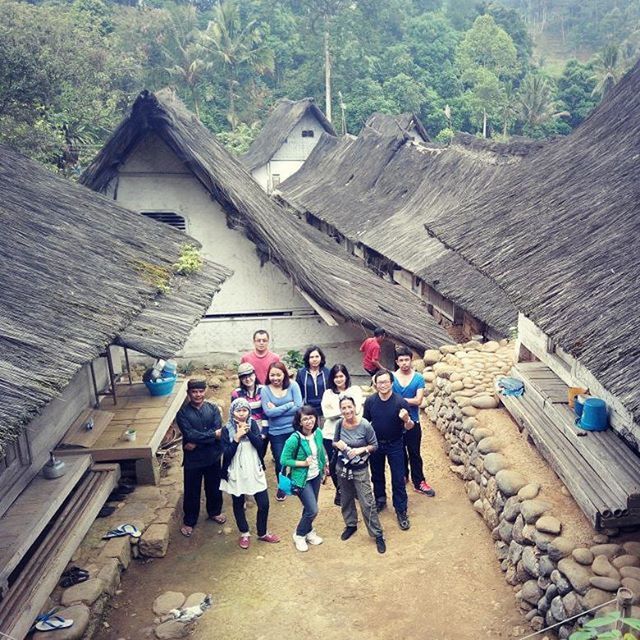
(106, 511)
(72, 576)
(186, 531)
(123, 530)
(50, 622)
(221, 518)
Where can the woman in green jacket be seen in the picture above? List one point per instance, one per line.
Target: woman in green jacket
(304, 454)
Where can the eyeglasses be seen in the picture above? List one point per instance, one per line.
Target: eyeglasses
(307, 418)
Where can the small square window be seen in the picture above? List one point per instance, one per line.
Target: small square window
(307, 133)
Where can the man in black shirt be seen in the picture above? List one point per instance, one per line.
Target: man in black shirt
(388, 412)
(201, 424)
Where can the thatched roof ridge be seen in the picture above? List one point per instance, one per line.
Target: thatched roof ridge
(561, 234)
(285, 115)
(381, 191)
(79, 273)
(313, 261)
(393, 125)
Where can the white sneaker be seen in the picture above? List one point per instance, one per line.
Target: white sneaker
(313, 538)
(300, 542)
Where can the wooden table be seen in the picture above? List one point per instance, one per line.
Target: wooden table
(151, 417)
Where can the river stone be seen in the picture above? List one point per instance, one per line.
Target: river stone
(477, 505)
(594, 598)
(167, 601)
(457, 384)
(571, 604)
(602, 567)
(630, 572)
(626, 560)
(545, 565)
(518, 527)
(560, 548)
(582, 555)
(531, 510)
(443, 370)
(632, 547)
(529, 491)
(531, 592)
(469, 411)
(557, 609)
(473, 490)
(489, 445)
(510, 482)
(610, 550)
(504, 530)
(172, 629)
(511, 509)
(494, 462)
(79, 613)
(194, 599)
(502, 550)
(576, 574)
(540, 539)
(530, 562)
(431, 356)
(484, 402)
(605, 583)
(560, 585)
(515, 552)
(600, 538)
(543, 604)
(468, 424)
(549, 524)
(481, 433)
(634, 586)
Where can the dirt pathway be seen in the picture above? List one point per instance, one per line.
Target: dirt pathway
(440, 580)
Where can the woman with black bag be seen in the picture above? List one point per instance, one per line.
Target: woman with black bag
(355, 440)
(304, 454)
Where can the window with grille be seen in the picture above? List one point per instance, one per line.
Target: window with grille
(168, 217)
(307, 133)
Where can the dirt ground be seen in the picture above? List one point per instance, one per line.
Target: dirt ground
(440, 580)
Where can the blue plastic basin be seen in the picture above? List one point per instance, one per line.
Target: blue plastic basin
(161, 386)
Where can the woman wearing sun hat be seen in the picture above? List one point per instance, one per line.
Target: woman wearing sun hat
(250, 390)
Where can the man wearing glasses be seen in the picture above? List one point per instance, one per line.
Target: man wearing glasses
(389, 415)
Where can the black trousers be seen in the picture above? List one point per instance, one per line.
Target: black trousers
(262, 502)
(412, 457)
(330, 451)
(192, 486)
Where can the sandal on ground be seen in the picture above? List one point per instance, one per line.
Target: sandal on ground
(73, 575)
(50, 622)
(281, 496)
(269, 537)
(221, 518)
(123, 530)
(244, 541)
(106, 511)
(123, 487)
(186, 531)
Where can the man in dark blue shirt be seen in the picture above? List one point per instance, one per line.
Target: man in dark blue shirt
(389, 415)
(201, 424)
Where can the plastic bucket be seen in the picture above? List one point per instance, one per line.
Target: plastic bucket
(594, 415)
(161, 387)
(578, 404)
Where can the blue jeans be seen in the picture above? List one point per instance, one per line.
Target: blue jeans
(393, 451)
(309, 497)
(277, 445)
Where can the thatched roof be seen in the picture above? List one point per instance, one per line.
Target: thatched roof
(284, 117)
(314, 262)
(561, 236)
(381, 190)
(404, 123)
(77, 274)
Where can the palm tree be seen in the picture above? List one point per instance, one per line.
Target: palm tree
(608, 69)
(186, 53)
(236, 47)
(536, 102)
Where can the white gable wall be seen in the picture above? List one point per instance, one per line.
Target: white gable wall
(255, 296)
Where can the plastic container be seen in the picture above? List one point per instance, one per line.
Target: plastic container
(161, 387)
(578, 404)
(170, 369)
(594, 415)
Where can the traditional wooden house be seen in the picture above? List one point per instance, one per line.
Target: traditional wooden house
(80, 283)
(406, 124)
(561, 232)
(374, 195)
(285, 142)
(288, 277)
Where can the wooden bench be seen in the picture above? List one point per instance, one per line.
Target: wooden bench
(598, 468)
(38, 556)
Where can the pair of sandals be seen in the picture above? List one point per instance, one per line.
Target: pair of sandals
(73, 575)
(50, 621)
(187, 531)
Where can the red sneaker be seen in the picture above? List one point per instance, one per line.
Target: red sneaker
(269, 537)
(425, 489)
(244, 542)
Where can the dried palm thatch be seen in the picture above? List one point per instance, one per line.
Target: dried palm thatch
(313, 261)
(562, 231)
(402, 124)
(278, 126)
(79, 273)
(381, 190)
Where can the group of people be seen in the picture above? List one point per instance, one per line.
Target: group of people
(318, 426)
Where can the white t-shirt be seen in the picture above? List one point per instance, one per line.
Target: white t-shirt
(314, 469)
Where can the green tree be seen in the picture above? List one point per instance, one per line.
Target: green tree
(575, 91)
(537, 104)
(608, 69)
(486, 100)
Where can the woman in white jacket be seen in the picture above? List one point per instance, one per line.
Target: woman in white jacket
(338, 384)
